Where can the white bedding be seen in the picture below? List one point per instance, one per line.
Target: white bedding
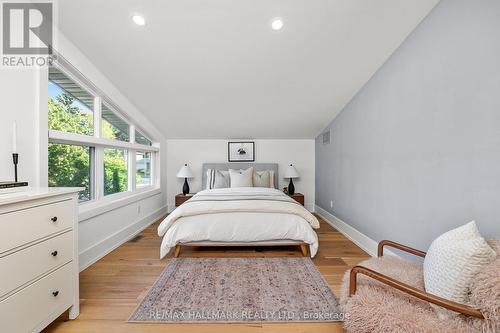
(238, 215)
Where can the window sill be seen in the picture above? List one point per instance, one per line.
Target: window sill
(91, 209)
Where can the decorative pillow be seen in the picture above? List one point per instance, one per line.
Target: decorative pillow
(261, 179)
(217, 179)
(241, 178)
(452, 262)
(271, 178)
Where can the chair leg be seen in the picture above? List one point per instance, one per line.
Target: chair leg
(303, 248)
(177, 250)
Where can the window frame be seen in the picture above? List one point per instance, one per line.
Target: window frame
(98, 144)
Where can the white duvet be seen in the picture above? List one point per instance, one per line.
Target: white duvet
(239, 215)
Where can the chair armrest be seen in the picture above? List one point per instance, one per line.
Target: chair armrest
(447, 304)
(380, 250)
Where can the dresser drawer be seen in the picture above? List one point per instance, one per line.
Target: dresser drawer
(23, 226)
(27, 264)
(33, 305)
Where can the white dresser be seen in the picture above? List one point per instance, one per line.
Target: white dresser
(38, 258)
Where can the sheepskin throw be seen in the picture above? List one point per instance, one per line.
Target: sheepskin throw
(377, 308)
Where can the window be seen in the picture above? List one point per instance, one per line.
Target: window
(143, 168)
(79, 118)
(115, 170)
(142, 139)
(70, 166)
(70, 106)
(112, 126)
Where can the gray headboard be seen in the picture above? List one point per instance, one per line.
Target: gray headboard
(237, 166)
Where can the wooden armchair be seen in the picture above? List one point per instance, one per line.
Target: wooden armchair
(450, 305)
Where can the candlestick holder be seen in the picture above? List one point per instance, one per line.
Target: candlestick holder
(15, 160)
(16, 185)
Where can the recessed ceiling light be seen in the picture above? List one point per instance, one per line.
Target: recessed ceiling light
(277, 24)
(139, 20)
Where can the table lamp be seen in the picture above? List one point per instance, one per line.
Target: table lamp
(291, 173)
(185, 172)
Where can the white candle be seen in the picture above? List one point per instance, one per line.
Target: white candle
(14, 137)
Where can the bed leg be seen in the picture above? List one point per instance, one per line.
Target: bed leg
(177, 250)
(303, 248)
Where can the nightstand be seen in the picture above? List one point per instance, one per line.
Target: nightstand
(299, 197)
(181, 198)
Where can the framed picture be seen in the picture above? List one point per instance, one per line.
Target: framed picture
(241, 151)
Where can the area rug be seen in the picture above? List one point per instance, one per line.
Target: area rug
(239, 290)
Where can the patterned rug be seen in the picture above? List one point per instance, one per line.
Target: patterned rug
(239, 290)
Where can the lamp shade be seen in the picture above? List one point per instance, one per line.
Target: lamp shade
(185, 172)
(291, 172)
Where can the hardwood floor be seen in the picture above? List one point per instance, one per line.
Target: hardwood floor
(111, 289)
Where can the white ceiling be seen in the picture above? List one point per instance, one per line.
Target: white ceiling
(215, 68)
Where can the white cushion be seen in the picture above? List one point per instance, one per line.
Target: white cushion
(271, 178)
(261, 179)
(217, 179)
(241, 178)
(451, 263)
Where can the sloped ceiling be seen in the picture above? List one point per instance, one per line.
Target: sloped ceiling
(215, 69)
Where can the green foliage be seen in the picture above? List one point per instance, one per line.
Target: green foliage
(115, 171)
(108, 131)
(64, 116)
(69, 165)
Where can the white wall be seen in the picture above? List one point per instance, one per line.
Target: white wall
(196, 152)
(102, 233)
(416, 152)
(19, 101)
(23, 97)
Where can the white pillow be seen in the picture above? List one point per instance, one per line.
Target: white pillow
(261, 179)
(271, 178)
(451, 263)
(241, 178)
(217, 179)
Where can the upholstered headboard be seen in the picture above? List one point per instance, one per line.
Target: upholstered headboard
(237, 166)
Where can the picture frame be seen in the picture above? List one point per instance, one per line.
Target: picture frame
(241, 151)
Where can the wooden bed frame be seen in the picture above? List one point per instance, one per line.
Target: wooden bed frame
(304, 247)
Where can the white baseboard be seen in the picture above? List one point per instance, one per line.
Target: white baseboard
(364, 242)
(89, 256)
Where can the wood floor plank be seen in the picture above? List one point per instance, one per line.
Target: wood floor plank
(111, 288)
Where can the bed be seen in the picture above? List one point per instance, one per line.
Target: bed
(242, 216)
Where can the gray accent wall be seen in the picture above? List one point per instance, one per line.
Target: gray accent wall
(417, 150)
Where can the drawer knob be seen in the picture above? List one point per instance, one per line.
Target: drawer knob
(55, 293)
(54, 253)
(53, 219)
